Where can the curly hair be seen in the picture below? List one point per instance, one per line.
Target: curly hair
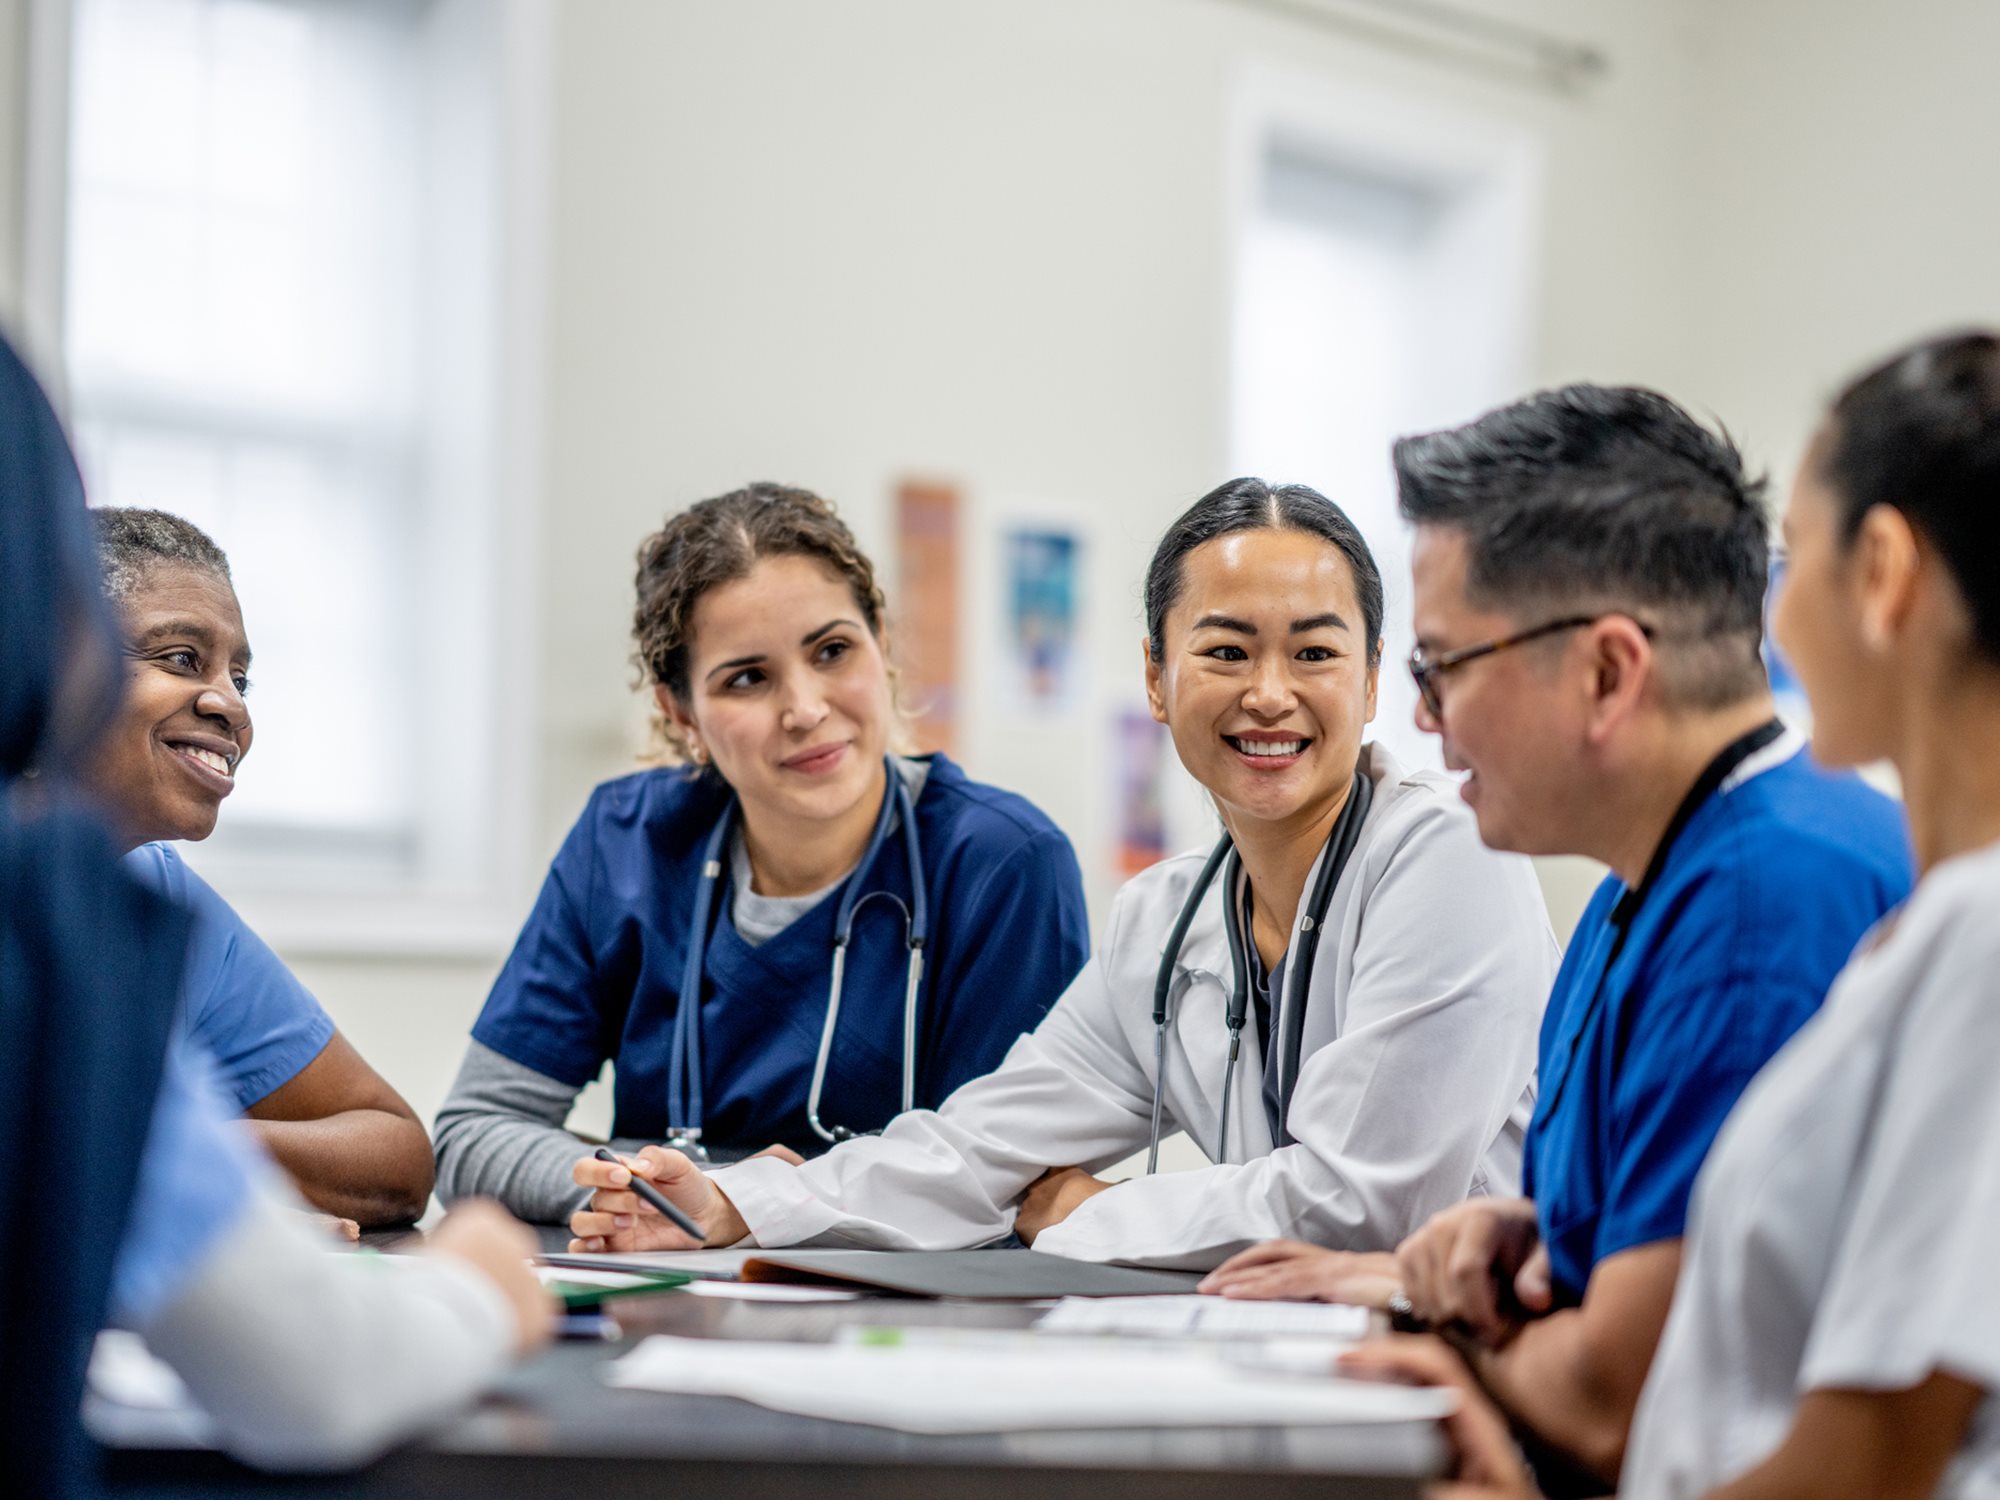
(718, 541)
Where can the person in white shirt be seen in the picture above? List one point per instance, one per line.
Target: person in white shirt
(1345, 1090)
(1836, 1327)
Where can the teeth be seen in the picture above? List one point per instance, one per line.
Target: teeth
(209, 758)
(1269, 747)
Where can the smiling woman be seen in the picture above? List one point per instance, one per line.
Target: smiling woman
(790, 935)
(1385, 1073)
(161, 773)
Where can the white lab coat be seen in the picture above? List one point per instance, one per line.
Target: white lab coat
(1415, 1083)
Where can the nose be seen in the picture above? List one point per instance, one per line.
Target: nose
(803, 706)
(1427, 721)
(1269, 693)
(224, 705)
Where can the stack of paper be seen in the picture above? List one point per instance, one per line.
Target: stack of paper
(941, 1389)
(1205, 1318)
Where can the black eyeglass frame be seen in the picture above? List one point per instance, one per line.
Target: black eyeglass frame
(1426, 670)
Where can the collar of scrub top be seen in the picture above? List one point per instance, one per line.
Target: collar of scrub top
(686, 1107)
(1291, 1015)
(1627, 907)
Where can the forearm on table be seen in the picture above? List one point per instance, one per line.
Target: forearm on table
(1552, 1384)
(314, 1359)
(368, 1165)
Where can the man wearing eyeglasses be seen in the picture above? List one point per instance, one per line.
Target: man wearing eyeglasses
(1589, 569)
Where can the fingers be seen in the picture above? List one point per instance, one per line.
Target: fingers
(1469, 1289)
(1257, 1255)
(1534, 1287)
(784, 1154)
(591, 1173)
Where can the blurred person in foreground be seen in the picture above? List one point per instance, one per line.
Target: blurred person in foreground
(302, 1357)
(1836, 1328)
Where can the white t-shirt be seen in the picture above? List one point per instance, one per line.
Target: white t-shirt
(1845, 1233)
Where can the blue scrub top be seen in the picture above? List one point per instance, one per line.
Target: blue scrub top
(596, 973)
(1758, 904)
(239, 1003)
(195, 1177)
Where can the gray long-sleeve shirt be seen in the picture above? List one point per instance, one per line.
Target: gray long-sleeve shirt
(499, 1134)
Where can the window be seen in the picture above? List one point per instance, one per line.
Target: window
(1379, 272)
(283, 306)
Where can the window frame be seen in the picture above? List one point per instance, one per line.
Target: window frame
(490, 60)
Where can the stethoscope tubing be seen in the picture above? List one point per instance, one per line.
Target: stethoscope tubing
(1340, 847)
(686, 1106)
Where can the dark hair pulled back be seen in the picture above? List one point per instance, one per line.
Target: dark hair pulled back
(1253, 505)
(718, 541)
(1921, 433)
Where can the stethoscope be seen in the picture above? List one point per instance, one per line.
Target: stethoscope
(684, 1074)
(1291, 1015)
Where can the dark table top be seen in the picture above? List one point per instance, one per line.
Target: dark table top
(553, 1429)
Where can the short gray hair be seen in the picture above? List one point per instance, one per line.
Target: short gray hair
(129, 542)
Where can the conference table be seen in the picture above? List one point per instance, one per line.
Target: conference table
(553, 1428)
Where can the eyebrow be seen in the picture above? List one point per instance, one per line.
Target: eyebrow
(737, 663)
(1327, 621)
(192, 630)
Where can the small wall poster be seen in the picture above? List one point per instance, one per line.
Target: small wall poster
(1041, 591)
(926, 605)
(1142, 814)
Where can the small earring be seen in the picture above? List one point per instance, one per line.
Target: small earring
(696, 754)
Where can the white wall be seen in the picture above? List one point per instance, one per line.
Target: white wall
(837, 244)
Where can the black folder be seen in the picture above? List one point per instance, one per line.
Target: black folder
(982, 1275)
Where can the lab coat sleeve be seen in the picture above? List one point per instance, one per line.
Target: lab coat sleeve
(1391, 1120)
(1069, 1093)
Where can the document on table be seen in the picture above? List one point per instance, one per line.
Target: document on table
(941, 1389)
(1205, 1318)
(722, 1264)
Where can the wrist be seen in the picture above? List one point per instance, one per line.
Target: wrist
(725, 1225)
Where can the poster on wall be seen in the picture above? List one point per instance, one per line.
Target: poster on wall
(1041, 597)
(926, 609)
(1141, 763)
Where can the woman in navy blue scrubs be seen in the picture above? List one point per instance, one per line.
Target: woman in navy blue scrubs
(687, 932)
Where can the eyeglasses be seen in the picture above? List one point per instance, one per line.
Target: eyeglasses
(1428, 669)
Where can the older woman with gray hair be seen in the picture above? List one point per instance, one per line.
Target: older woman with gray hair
(160, 773)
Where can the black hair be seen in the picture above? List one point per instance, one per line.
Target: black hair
(1607, 498)
(130, 542)
(1921, 433)
(1253, 505)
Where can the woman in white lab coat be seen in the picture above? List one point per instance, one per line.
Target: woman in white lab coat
(1348, 1007)
(1836, 1325)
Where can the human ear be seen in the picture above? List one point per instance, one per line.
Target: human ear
(1887, 562)
(1156, 694)
(677, 715)
(1620, 662)
(1374, 683)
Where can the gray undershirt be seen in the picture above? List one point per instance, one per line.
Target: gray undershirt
(500, 1131)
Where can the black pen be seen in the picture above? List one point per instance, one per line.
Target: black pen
(674, 1216)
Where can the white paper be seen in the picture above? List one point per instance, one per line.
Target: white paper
(930, 1389)
(769, 1291)
(1196, 1317)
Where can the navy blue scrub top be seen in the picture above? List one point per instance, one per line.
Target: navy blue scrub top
(596, 973)
(1757, 905)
